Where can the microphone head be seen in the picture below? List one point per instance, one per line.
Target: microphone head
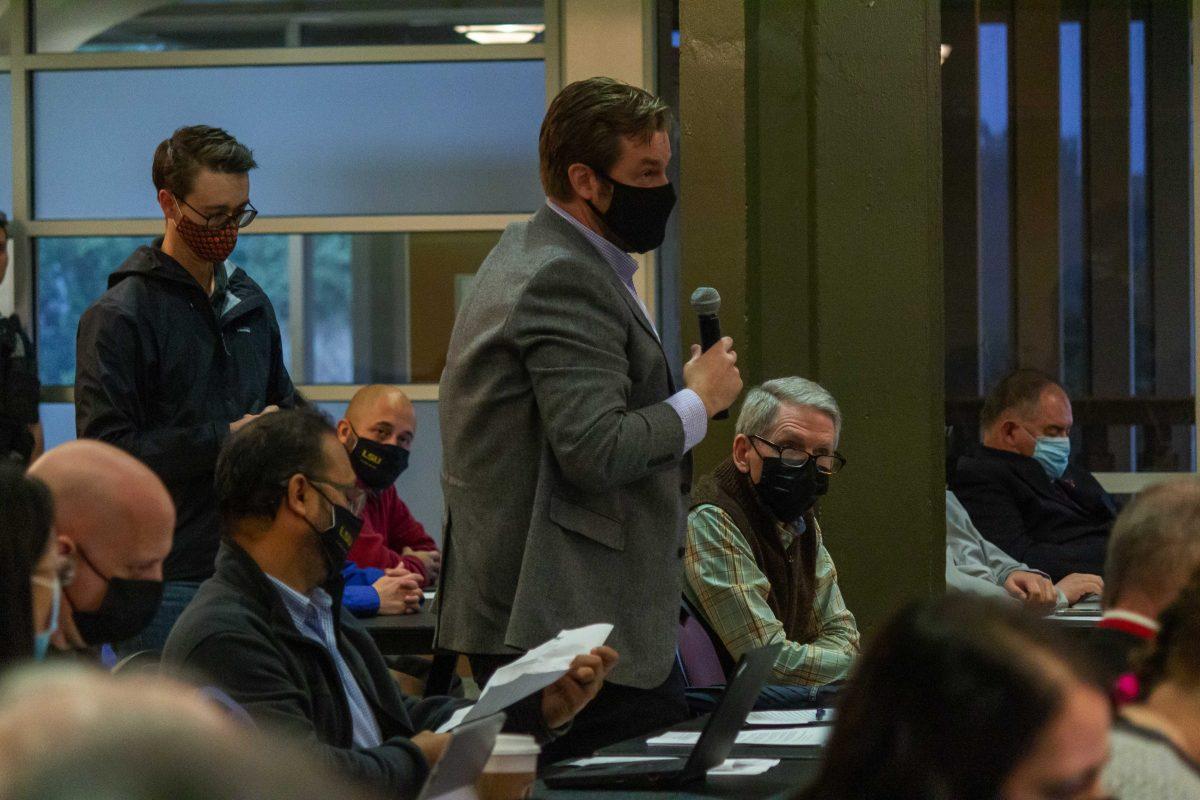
(706, 301)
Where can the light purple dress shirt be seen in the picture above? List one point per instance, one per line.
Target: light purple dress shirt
(687, 404)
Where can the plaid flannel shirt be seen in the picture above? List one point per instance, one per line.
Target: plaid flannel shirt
(726, 585)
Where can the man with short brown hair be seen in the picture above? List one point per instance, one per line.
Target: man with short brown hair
(1020, 488)
(182, 349)
(564, 434)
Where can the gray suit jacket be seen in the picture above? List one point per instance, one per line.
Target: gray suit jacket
(975, 565)
(563, 468)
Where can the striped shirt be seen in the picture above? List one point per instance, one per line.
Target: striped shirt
(687, 403)
(725, 583)
(312, 614)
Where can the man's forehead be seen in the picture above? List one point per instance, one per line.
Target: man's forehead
(227, 189)
(391, 408)
(1054, 403)
(803, 420)
(652, 149)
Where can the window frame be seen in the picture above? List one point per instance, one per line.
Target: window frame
(21, 62)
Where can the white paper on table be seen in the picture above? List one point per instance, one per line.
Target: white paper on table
(535, 670)
(455, 720)
(731, 766)
(807, 716)
(816, 735)
(744, 766)
(596, 761)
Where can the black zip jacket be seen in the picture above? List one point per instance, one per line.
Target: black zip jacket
(161, 374)
(238, 634)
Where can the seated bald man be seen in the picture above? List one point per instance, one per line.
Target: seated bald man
(1020, 488)
(378, 431)
(114, 518)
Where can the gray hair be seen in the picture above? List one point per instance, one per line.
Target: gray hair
(762, 403)
(1155, 543)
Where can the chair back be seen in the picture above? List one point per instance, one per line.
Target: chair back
(697, 655)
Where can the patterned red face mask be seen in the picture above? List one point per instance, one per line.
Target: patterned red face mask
(211, 244)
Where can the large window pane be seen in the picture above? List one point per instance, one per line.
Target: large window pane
(995, 207)
(447, 138)
(5, 142)
(67, 26)
(1074, 332)
(343, 300)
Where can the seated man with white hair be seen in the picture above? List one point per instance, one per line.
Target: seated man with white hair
(756, 566)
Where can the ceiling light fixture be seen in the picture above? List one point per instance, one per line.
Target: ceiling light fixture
(500, 34)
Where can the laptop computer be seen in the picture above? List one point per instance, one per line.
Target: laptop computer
(464, 759)
(715, 743)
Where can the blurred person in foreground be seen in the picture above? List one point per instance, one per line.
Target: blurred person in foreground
(962, 698)
(69, 733)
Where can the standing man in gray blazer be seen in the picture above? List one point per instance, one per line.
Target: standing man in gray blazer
(564, 434)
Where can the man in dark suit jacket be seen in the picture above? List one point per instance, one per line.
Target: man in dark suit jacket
(563, 432)
(1153, 552)
(269, 630)
(1020, 489)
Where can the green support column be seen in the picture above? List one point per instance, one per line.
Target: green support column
(811, 198)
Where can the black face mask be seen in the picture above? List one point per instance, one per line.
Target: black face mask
(637, 215)
(126, 610)
(791, 491)
(336, 540)
(377, 465)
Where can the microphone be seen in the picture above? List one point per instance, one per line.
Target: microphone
(706, 302)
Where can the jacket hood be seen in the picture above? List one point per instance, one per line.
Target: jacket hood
(150, 262)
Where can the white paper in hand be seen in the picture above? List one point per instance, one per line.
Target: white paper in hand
(537, 669)
(455, 720)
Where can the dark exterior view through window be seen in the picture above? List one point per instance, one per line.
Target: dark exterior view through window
(1068, 219)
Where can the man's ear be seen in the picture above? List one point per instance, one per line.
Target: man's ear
(344, 433)
(66, 545)
(166, 201)
(1008, 431)
(741, 453)
(297, 492)
(584, 182)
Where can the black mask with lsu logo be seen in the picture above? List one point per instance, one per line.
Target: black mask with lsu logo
(336, 540)
(377, 465)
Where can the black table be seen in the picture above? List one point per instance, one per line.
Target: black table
(411, 635)
(402, 634)
(797, 768)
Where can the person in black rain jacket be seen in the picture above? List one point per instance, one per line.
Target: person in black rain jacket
(183, 349)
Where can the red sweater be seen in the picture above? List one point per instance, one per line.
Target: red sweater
(388, 528)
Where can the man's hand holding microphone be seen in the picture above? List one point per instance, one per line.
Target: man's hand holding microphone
(712, 371)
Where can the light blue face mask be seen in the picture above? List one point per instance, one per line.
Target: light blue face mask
(1053, 452)
(41, 642)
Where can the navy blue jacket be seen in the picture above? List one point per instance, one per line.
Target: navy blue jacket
(1058, 527)
(161, 373)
